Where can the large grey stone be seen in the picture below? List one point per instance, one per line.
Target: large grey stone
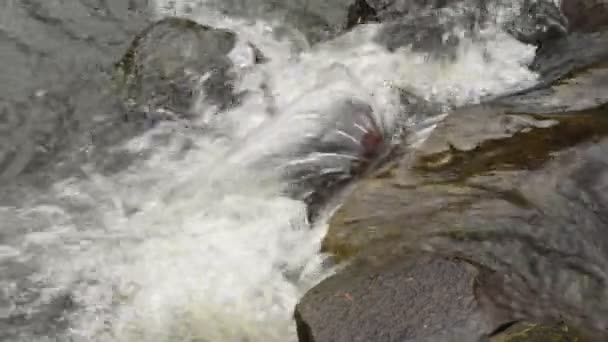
(166, 64)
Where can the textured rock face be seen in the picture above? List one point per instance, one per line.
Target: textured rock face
(586, 15)
(394, 9)
(538, 22)
(166, 63)
(419, 298)
(526, 332)
(513, 187)
(433, 33)
(54, 58)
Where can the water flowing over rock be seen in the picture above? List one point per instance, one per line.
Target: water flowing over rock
(538, 22)
(53, 86)
(436, 33)
(315, 20)
(573, 74)
(163, 69)
(512, 188)
(442, 24)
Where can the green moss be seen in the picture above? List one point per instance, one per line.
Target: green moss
(527, 332)
(340, 250)
(526, 150)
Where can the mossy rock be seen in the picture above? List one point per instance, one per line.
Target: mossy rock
(528, 332)
(430, 195)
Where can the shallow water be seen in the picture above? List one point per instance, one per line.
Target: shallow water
(111, 232)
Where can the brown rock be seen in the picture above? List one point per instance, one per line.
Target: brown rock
(519, 193)
(514, 187)
(586, 15)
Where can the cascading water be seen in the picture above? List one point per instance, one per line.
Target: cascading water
(202, 244)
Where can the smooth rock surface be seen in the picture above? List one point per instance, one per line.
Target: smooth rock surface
(538, 22)
(572, 75)
(586, 15)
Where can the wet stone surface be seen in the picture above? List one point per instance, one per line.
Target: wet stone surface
(167, 64)
(54, 75)
(586, 15)
(417, 298)
(512, 188)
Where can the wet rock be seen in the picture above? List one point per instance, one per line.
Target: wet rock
(336, 144)
(440, 25)
(538, 22)
(393, 9)
(434, 33)
(522, 198)
(418, 298)
(317, 20)
(46, 45)
(527, 332)
(514, 187)
(571, 54)
(573, 77)
(172, 63)
(431, 27)
(582, 90)
(303, 28)
(31, 133)
(586, 15)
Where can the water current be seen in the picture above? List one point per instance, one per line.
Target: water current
(192, 238)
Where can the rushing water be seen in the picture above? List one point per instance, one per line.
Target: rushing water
(193, 239)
